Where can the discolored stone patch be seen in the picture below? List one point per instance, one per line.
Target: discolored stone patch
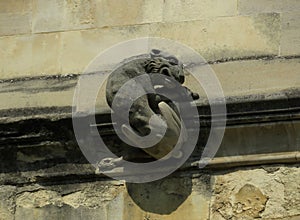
(249, 201)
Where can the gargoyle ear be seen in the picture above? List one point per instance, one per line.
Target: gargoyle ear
(155, 53)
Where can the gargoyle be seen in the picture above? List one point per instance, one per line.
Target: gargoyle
(146, 106)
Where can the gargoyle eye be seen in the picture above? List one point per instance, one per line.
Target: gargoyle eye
(172, 60)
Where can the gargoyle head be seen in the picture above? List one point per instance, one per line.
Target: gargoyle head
(165, 64)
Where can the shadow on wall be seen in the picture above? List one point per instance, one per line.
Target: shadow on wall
(163, 196)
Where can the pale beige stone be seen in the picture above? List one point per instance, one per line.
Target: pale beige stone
(115, 12)
(249, 201)
(15, 56)
(239, 78)
(254, 77)
(30, 55)
(184, 10)
(71, 51)
(49, 16)
(263, 6)
(46, 54)
(81, 47)
(15, 17)
(290, 40)
(17, 6)
(11, 24)
(226, 37)
(41, 99)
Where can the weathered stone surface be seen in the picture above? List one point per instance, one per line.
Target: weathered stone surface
(238, 78)
(17, 6)
(50, 16)
(290, 39)
(226, 37)
(15, 17)
(30, 55)
(11, 24)
(253, 193)
(185, 10)
(268, 192)
(42, 179)
(70, 52)
(131, 12)
(263, 6)
(259, 139)
(81, 47)
(86, 200)
(252, 77)
(7, 202)
(169, 198)
(249, 201)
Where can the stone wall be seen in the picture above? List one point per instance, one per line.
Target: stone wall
(40, 37)
(252, 45)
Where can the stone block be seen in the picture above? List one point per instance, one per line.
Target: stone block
(15, 17)
(7, 202)
(15, 56)
(266, 6)
(226, 37)
(49, 16)
(116, 13)
(30, 55)
(74, 201)
(46, 54)
(17, 6)
(80, 47)
(290, 39)
(257, 77)
(185, 10)
(11, 24)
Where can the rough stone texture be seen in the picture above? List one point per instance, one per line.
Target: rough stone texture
(184, 10)
(263, 192)
(266, 192)
(7, 202)
(95, 200)
(266, 6)
(290, 39)
(170, 198)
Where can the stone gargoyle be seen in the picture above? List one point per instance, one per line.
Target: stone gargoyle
(146, 106)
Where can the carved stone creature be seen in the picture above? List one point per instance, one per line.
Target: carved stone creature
(145, 106)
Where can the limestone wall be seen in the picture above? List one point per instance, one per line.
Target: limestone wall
(254, 48)
(41, 37)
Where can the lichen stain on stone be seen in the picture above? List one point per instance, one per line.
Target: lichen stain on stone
(249, 201)
(269, 25)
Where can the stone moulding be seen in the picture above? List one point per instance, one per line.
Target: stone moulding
(259, 130)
